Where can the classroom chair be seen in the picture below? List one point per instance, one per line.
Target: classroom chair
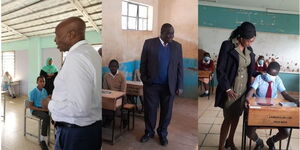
(130, 108)
(28, 115)
(288, 142)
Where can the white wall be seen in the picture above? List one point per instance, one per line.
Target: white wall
(55, 54)
(22, 71)
(285, 48)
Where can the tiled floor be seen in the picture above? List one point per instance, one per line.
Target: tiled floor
(209, 124)
(182, 130)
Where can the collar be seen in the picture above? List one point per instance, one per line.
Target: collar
(162, 42)
(259, 65)
(115, 74)
(79, 43)
(206, 62)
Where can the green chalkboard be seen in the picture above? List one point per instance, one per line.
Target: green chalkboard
(220, 17)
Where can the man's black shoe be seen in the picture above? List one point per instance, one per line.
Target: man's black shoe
(163, 141)
(204, 94)
(146, 137)
(43, 145)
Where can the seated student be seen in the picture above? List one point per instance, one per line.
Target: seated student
(114, 80)
(36, 96)
(208, 65)
(7, 80)
(260, 66)
(267, 85)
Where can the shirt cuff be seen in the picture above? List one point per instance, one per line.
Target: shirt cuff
(228, 90)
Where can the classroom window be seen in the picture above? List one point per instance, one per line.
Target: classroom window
(8, 62)
(136, 16)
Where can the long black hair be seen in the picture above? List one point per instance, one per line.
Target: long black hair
(246, 31)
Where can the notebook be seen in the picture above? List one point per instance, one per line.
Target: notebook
(265, 101)
(288, 104)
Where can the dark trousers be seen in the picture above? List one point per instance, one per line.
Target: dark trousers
(157, 95)
(282, 134)
(45, 120)
(84, 138)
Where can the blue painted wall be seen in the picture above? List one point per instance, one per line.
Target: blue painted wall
(190, 81)
(229, 18)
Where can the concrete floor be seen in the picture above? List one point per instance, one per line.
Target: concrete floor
(209, 123)
(182, 130)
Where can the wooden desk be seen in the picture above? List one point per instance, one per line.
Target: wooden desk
(275, 116)
(112, 100)
(204, 74)
(134, 90)
(207, 74)
(269, 116)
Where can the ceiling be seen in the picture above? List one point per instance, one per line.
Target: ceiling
(276, 5)
(21, 19)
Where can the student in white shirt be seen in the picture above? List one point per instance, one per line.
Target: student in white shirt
(7, 80)
(76, 100)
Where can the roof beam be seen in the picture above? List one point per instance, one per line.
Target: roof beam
(8, 28)
(84, 13)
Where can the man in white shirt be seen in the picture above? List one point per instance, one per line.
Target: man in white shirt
(76, 100)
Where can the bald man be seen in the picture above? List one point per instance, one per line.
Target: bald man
(75, 105)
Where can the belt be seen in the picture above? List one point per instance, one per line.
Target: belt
(69, 125)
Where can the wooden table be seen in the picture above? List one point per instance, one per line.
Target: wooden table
(112, 100)
(206, 74)
(135, 89)
(269, 116)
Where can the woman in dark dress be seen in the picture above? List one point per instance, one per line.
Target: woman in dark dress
(235, 67)
(49, 71)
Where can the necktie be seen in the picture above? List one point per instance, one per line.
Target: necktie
(269, 91)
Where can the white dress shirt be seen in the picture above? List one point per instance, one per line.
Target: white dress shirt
(76, 98)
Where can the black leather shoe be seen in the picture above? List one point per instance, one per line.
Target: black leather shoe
(204, 95)
(163, 141)
(230, 145)
(146, 137)
(271, 144)
(259, 145)
(43, 145)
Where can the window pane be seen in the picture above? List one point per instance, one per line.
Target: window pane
(124, 8)
(132, 23)
(143, 11)
(124, 22)
(142, 24)
(132, 10)
(8, 63)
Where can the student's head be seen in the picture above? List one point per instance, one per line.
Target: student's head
(261, 60)
(245, 34)
(69, 32)
(6, 73)
(206, 57)
(40, 80)
(273, 68)
(167, 33)
(113, 66)
(49, 61)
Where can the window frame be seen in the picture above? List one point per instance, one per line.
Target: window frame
(137, 17)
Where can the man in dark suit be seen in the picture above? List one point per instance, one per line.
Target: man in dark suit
(162, 75)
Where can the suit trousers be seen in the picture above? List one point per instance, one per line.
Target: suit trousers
(155, 96)
(83, 138)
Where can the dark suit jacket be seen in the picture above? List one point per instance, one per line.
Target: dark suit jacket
(150, 64)
(227, 67)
